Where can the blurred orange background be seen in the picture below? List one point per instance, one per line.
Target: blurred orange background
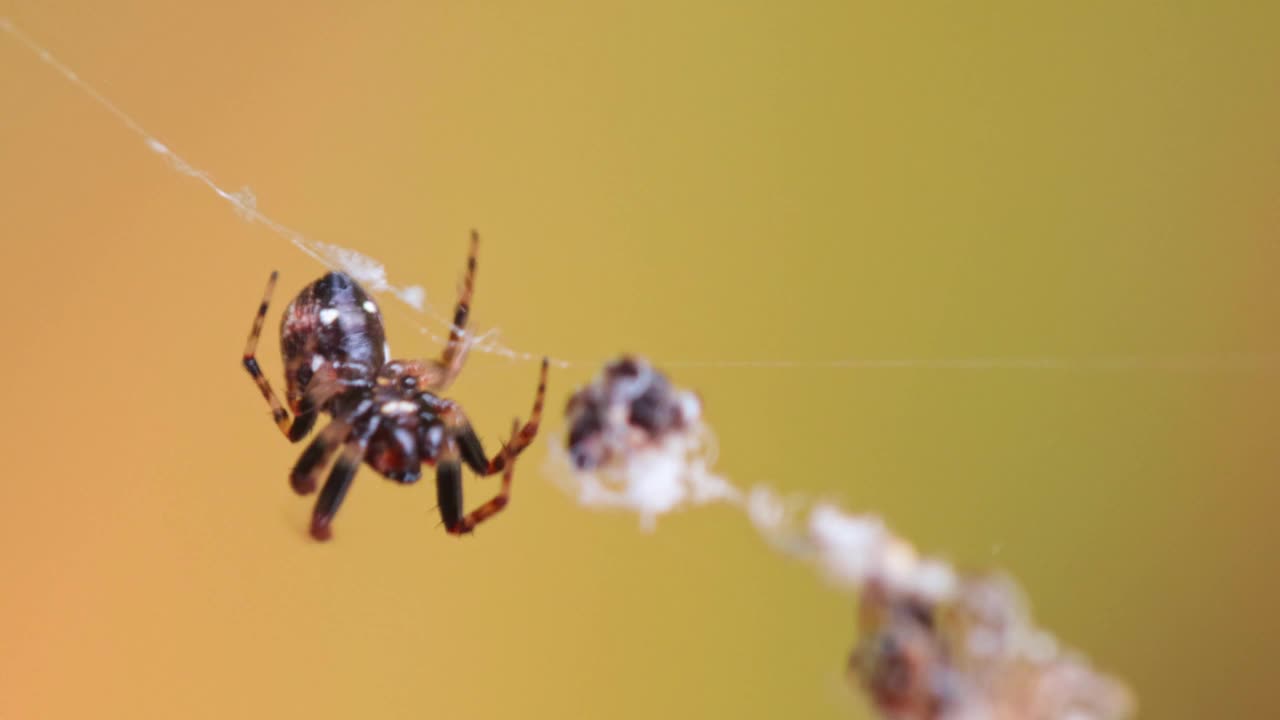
(722, 182)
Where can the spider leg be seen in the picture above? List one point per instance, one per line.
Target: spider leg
(304, 420)
(456, 525)
(302, 424)
(459, 428)
(441, 373)
(335, 488)
(320, 389)
(306, 473)
(449, 485)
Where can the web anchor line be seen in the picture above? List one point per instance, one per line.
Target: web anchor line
(364, 269)
(373, 276)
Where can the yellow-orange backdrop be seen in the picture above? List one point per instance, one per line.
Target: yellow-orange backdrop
(731, 181)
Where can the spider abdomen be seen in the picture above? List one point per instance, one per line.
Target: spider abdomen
(331, 325)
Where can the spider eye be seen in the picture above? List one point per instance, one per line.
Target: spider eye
(409, 382)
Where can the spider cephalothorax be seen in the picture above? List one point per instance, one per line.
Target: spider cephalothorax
(385, 412)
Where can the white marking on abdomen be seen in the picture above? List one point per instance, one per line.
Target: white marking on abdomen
(328, 315)
(369, 307)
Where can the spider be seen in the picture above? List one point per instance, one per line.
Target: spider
(384, 412)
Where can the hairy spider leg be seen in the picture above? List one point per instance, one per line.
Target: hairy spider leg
(278, 413)
(323, 386)
(440, 374)
(449, 484)
(313, 460)
(306, 418)
(498, 502)
(522, 439)
(458, 426)
(301, 425)
(335, 488)
(462, 444)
